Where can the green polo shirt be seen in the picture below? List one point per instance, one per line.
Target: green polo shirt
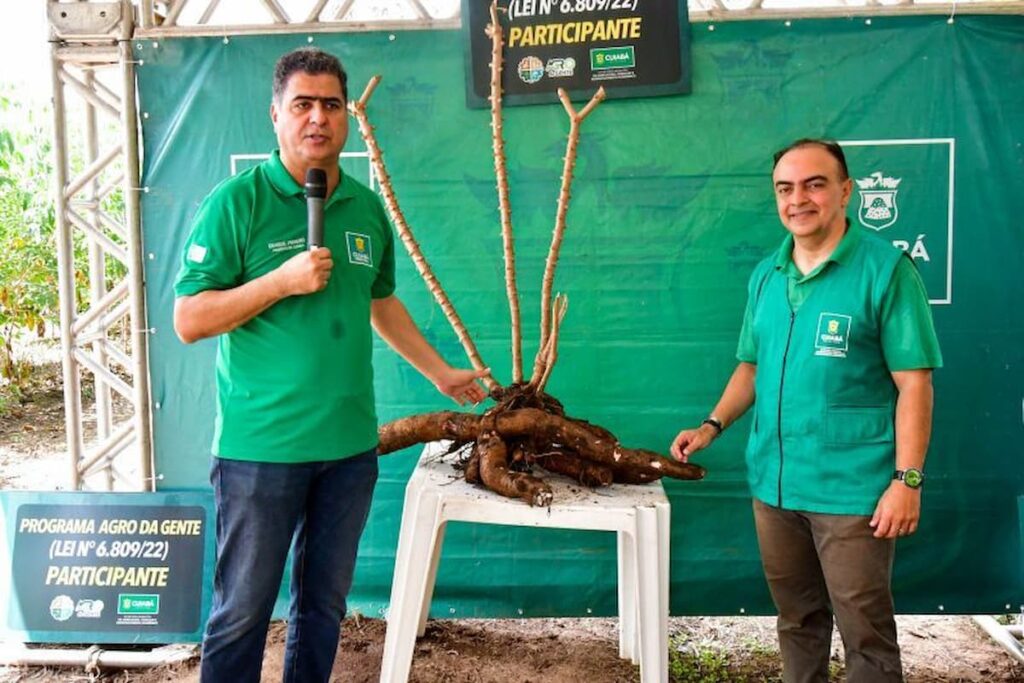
(907, 332)
(295, 383)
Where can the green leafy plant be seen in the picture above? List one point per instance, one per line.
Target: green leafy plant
(698, 664)
(29, 302)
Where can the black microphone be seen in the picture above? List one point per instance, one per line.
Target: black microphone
(316, 191)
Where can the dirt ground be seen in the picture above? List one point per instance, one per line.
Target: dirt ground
(710, 650)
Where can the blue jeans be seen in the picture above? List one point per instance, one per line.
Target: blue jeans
(317, 508)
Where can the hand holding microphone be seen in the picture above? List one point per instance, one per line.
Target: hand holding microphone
(305, 273)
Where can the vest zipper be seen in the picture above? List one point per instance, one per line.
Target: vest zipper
(782, 383)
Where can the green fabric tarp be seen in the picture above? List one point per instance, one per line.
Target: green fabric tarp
(671, 209)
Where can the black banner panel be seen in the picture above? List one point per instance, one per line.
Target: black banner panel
(634, 48)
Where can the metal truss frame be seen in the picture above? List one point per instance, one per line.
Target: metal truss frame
(90, 37)
(94, 87)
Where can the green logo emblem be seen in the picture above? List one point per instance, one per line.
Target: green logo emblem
(132, 603)
(833, 335)
(360, 249)
(612, 58)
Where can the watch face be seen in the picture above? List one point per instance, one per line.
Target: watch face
(913, 478)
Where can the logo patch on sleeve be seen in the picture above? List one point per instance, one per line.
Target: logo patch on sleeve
(360, 249)
(197, 253)
(833, 335)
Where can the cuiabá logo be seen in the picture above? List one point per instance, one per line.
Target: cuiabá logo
(138, 603)
(832, 338)
(621, 57)
(878, 207)
(360, 249)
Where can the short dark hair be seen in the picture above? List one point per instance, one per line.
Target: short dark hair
(310, 60)
(830, 146)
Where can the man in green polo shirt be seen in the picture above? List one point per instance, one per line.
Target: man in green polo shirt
(836, 356)
(296, 432)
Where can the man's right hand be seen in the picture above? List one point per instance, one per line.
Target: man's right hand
(217, 311)
(304, 273)
(689, 441)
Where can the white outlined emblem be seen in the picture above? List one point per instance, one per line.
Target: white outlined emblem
(878, 208)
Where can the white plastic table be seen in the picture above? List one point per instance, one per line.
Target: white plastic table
(638, 514)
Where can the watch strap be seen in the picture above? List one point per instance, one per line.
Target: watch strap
(714, 422)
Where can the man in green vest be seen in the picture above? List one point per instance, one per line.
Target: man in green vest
(296, 433)
(835, 356)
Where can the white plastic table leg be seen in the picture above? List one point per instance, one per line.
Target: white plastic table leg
(648, 577)
(405, 536)
(416, 541)
(628, 635)
(428, 591)
(664, 513)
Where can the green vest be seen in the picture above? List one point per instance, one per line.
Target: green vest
(823, 437)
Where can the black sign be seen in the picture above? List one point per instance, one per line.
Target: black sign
(634, 48)
(123, 570)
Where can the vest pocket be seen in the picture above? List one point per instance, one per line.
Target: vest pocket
(859, 425)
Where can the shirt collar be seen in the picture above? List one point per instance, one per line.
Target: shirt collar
(841, 254)
(286, 185)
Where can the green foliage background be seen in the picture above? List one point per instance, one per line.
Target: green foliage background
(28, 266)
(29, 299)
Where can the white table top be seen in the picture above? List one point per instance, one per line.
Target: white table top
(436, 470)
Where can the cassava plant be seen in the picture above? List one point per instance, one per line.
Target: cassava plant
(526, 427)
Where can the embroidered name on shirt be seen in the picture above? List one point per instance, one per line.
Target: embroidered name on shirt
(833, 336)
(287, 245)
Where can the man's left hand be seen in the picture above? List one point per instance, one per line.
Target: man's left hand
(462, 385)
(898, 511)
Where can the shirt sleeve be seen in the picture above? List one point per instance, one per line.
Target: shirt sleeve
(908, 334)
(384, 285)
(212, 257)
(746, 349)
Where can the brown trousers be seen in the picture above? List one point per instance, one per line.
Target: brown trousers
(818, 565)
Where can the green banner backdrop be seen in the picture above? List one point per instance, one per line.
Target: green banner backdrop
(672, 207)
